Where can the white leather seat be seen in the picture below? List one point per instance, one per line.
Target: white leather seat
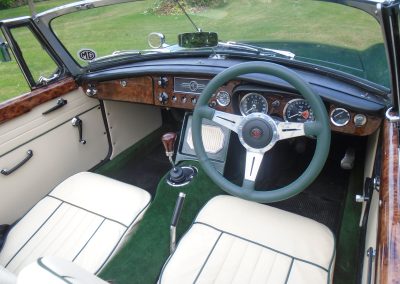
(238, 241)
(54, 270)
(83, 220)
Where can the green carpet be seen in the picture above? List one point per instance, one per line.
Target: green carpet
(347, 254)
(141, 259)
(140, 148)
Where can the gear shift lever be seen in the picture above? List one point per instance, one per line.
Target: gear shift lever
(177, 176)
(168, 140)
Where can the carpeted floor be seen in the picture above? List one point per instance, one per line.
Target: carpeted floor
(142, 258)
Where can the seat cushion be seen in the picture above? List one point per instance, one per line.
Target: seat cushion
(238, 241)
(84, 220)
(6, 277)
(54, 270)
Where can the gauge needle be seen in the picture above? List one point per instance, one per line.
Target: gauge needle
(250, 109)
(336, 115)
(297, 114)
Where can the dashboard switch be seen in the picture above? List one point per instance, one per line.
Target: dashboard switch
(163, 82)
(163, 98)
(91, 90)
(212, 104)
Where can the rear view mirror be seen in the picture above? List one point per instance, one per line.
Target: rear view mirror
(197, 40)
(4, 52)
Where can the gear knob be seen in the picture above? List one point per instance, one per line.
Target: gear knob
(168, 140)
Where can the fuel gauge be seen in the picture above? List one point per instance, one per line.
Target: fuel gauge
(340, 116)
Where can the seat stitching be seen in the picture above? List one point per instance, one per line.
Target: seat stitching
(70, 213)
(208, 257)
(83, 247)
(267, 247)
(29, 250)
(38, 229)
(225, 259)
(240, 263)
(289, 271)
(271, 265)
(89, 211)
(122, 236)
(255, 265)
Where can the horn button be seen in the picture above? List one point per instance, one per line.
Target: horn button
(258, 131)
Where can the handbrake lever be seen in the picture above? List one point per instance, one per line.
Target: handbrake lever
(175, 219)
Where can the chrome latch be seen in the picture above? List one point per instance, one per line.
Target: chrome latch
(45, 81)
(377, 183)
(361, 198)
(390, 117)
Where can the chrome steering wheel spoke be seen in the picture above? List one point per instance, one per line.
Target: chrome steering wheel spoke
(288, 130)
(253, 163)
(228, 120)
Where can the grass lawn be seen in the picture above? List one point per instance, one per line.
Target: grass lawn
(126, 26)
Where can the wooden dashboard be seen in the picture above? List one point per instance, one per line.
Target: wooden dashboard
(159, 90)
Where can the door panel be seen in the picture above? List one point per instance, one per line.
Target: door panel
(57, 152)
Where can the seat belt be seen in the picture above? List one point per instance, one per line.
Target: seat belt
(4, 230)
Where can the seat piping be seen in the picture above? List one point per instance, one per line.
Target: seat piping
(267, 247)
(208, 256)
(38, 229)
(45, 267)
(118, 222)
(94, 233)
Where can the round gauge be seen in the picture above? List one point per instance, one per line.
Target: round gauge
(253, 102)
(359, 120)
(223, 98)
(298, 110)
(340, 116)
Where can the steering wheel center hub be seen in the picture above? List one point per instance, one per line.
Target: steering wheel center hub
(258, 131)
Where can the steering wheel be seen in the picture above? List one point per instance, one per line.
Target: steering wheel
(259, 132)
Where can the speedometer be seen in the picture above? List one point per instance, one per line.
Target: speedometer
(298, 110)
(253, 102)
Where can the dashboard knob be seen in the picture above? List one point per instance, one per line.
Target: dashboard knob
(91, 91)
(163, 82)
(163, 98)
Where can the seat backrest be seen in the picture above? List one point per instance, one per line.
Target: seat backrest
(6, 277)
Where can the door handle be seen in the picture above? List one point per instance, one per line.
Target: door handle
(60, 103)
(7, 172)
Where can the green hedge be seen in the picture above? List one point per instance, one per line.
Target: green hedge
(169, 7)
(6, 4)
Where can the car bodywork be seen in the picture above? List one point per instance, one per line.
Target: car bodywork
(105, 87)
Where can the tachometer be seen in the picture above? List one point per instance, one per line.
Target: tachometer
(253, 102)
(297, 110)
